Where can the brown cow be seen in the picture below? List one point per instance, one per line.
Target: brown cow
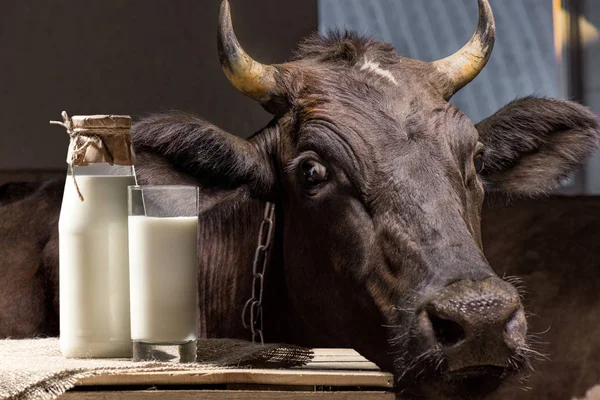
(378, 183)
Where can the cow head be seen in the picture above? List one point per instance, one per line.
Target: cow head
(380, 182)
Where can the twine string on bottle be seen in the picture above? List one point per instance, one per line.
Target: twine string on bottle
(78, 149)
(81, 140)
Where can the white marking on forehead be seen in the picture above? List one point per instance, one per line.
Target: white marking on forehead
(374, 67)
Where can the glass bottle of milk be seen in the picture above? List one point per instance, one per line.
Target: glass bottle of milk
(93, 244)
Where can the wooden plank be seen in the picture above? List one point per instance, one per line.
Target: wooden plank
(336, 352)
(247, 376)
(339, 359)
(222, 395)
(354, 366)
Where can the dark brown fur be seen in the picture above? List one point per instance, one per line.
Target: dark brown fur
(28, 259)
(529, 135)
(552, 246)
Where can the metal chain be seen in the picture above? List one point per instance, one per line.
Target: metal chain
(254, 304)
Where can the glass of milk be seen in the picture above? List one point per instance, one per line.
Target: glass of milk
(163, 264)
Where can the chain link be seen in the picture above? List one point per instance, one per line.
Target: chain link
(253, 306)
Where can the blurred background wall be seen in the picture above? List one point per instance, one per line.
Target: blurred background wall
(588, 70)
(126, 57)
(523, 61)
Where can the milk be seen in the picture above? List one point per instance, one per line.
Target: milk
(163, 269)
(94, 273)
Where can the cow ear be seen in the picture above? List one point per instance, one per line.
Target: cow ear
(533, 144)
(196, 149)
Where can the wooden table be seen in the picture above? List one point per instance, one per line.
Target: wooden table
(333, 374)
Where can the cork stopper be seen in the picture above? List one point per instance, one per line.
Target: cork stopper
(97, 139)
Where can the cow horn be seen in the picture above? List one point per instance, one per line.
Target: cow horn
(464, 65)
(250, 77)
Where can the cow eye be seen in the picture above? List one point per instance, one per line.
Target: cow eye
(478, 162)
(314, 172)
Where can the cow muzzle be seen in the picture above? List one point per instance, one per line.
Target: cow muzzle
(477, 325)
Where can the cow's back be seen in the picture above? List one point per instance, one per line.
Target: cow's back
(553, 245)
(29, 214)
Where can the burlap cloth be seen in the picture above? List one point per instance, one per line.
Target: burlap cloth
(35, 368)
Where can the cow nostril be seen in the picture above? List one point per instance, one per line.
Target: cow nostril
(447, 332)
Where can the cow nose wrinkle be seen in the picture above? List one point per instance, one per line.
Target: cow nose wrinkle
(447, 332)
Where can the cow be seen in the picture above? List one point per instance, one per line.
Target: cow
(378, 184)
